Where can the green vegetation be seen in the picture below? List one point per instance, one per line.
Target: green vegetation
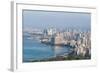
(63, 58)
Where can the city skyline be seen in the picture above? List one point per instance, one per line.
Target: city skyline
(56, 36)
(59, 20)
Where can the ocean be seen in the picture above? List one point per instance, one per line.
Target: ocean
(33, 49)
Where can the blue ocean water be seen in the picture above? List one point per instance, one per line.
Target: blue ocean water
(35, 50)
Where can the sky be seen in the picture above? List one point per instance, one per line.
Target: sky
(60, 20)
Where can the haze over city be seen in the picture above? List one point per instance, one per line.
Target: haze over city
(45, 19)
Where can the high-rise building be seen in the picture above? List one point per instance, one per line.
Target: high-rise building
(51, 31)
